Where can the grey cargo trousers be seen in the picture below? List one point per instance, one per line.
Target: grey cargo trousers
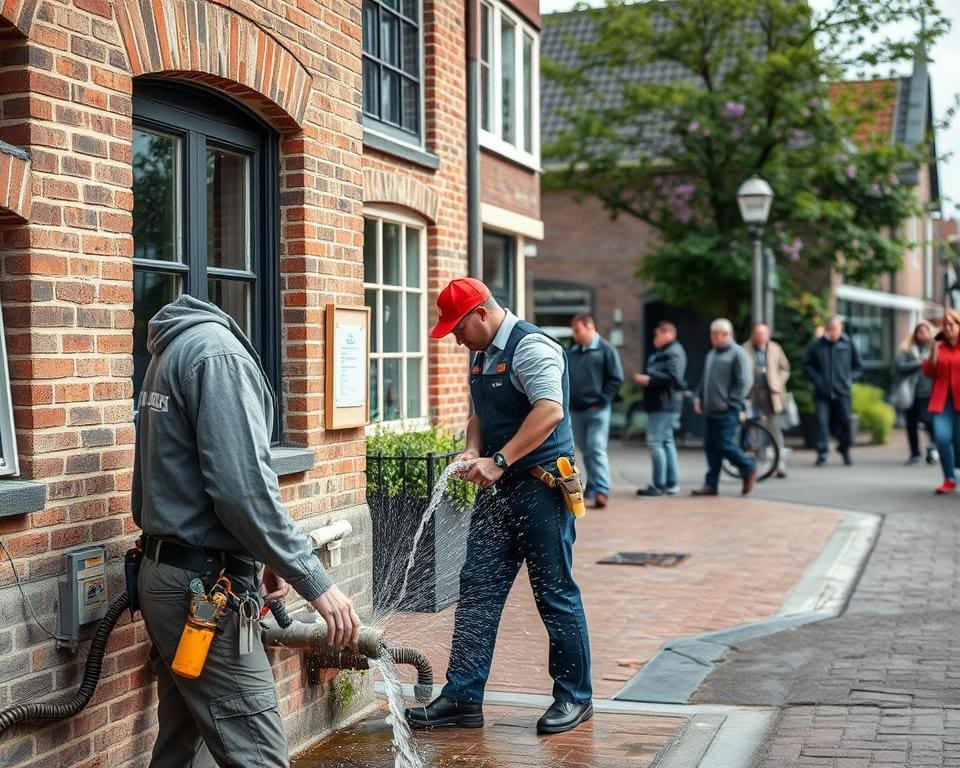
(231, 709)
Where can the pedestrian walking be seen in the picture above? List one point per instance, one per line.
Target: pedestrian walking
(721, 398)
(832, 363)
(912, 393)
(595, 378)
(520, 429)
(771, 371)
(207, 501)
(943, 366)
(663, 383)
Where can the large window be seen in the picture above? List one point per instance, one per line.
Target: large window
(509, 84)
(871, 330)
(8, 445)
(392, 101)
(394, 279)
(204, 213)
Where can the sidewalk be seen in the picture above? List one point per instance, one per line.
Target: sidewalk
(745, 557)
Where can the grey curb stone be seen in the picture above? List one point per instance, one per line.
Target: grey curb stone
(18, 497)
(674, 674)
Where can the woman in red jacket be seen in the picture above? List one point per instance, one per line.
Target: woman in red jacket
(943, 366)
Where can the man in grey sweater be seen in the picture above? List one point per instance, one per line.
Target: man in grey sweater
(207, 500)
(721, 397)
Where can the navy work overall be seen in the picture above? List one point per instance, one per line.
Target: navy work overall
(524, 521)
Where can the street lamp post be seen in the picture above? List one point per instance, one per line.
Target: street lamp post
(754, 199)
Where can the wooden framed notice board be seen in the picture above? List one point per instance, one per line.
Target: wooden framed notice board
(347, 366)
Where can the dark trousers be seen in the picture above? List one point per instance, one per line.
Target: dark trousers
(916, 415)
(524, 521)
(833, 418)
(719, 444)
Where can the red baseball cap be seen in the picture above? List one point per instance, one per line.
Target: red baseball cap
(456, 301)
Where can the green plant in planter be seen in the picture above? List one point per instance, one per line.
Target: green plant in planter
(876, 415)
(410, 477)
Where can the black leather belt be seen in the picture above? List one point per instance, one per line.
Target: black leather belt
(203, 561)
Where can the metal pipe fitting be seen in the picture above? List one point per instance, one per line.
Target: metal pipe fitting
(313, 637)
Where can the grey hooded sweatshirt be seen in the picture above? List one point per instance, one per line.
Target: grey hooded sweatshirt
(202, 468)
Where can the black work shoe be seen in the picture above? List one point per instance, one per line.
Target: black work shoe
(564, 715)
(821, 460)
(444, 711)
(650, 490)
(846, 458)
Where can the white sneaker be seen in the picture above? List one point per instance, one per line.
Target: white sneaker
(673, 490)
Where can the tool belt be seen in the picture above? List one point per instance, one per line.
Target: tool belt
(203, 561)
(571, 488)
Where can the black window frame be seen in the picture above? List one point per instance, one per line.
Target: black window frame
(201, 117)
(374, 61)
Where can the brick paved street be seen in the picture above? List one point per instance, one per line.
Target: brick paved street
(878, 686)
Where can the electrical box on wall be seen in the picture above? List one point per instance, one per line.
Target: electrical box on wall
(83, 593)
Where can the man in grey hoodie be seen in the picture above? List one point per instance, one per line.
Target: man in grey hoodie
(721, 398)
(207, 500)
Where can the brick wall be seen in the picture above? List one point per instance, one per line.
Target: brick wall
(508, 185)
(583, 246)
(66, 78)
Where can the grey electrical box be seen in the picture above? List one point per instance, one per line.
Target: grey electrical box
(83, 592)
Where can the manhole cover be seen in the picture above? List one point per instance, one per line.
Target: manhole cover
(663, 559)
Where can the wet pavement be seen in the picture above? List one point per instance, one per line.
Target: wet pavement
(507, 740)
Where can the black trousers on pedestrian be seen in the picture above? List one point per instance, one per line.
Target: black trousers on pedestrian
(916, 415)
(833, 418)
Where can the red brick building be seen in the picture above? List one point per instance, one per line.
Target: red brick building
(273, 158)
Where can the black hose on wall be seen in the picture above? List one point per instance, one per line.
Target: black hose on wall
(50, 711)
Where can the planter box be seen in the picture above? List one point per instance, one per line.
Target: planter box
(434, 581)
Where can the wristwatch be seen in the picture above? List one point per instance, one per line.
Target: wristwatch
(500, 461)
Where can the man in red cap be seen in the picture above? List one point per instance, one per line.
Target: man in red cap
(520, 427)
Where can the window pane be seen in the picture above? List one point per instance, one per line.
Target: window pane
(411, 8)
(228, 210)
(498, 267)
(371, 88)
(391, 321)
(389, 39)
(411, 105)
(370, 299)
(414, 407)
(369, 250)
(413, 257)
(411, 49)
(391, 390)
(156, 198)
(370, 27)
(390, 96)
(374, 399)
(391, 253)
(486, 99)
(528, 93)
(233, 297)
(508, 79)
(151, 291)
(413, 322)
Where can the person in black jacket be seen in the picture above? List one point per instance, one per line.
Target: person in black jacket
(595, 379)
(832, 363)
(663, 400)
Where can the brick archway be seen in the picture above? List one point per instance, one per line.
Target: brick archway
(212, 44)
(384, 187)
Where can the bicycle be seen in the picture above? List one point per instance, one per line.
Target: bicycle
(756, 441)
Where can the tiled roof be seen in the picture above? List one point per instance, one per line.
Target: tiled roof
(881, 97)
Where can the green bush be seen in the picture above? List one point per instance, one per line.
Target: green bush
(876, 415)
(410, 477)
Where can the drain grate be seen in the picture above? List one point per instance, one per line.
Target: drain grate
(663, 559)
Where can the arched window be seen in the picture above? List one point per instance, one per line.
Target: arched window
(205, 213)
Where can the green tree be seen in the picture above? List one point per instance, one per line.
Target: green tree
(749, 94)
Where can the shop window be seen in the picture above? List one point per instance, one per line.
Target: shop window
(204, 213)
(394, 281)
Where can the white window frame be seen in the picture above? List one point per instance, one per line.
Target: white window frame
(382, 215)
(9, 463)
(928, 262)
(493, 140)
